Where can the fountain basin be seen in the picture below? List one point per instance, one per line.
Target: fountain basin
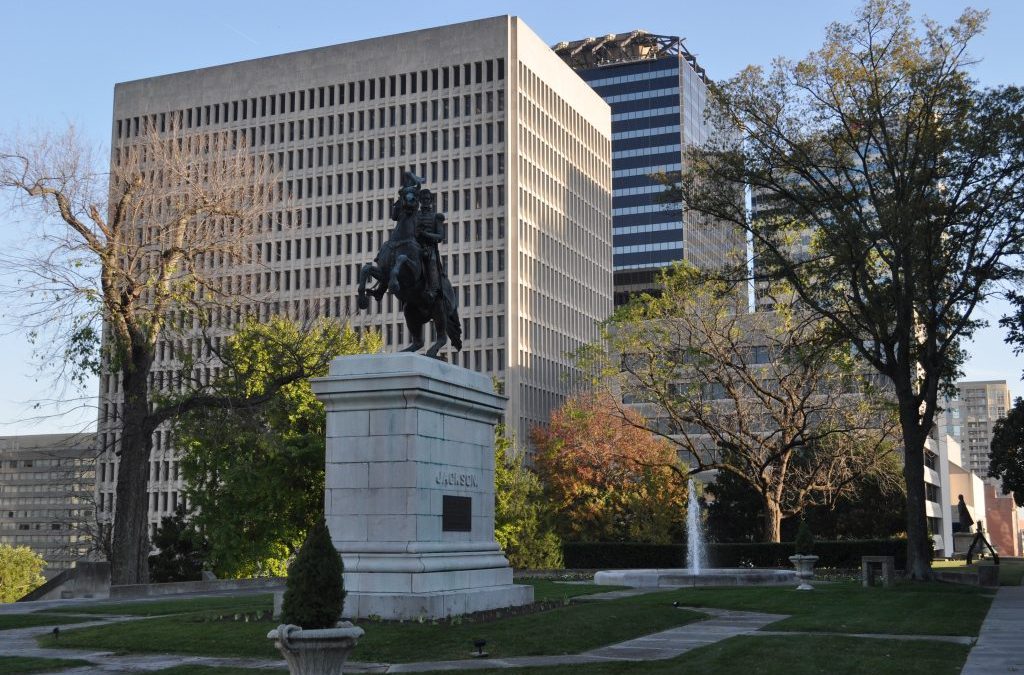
(683, 578)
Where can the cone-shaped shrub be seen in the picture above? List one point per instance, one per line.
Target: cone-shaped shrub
(804, 540)
(315, 592)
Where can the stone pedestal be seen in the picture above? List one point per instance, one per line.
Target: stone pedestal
(409, 493)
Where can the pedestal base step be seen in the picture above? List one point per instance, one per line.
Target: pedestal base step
(435, 605)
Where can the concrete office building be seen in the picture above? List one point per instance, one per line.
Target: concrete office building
(516, 146)
(970, 416)
(657, 91)
(46, 495)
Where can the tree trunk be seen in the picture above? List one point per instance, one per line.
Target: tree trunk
(129, 563)
(919, 549)
(772, 521)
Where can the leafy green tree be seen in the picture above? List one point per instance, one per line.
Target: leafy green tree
(520, 511)
(608, 478)
(1006, 458)
(20, 572)
(254, 475)
(873, 508)
(903, 175)
(182, 552)
(734, 509)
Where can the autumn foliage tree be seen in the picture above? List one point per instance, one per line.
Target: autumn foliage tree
(607, 478)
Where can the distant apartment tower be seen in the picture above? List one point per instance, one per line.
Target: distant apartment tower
(515, 145)
(969, 418)
(657, 92)
(46, 496)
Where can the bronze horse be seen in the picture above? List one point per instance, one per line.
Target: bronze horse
(399, 269)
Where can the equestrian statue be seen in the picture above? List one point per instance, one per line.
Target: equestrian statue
(408, 266)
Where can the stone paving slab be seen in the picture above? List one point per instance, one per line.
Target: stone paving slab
(1000, 646)
(677, 641)
(954, 639)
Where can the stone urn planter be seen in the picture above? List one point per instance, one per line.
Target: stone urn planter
(312, 639)
(320, 651)
(804, 565)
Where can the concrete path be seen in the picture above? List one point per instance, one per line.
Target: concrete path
(667, 644)
(1000, 647)
(954, 639)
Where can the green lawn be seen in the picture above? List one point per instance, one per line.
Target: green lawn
(223, 604)
(797, 655)
(30, 664)
(905, 609)
(201, 633)
(937, 609)
(565, 630)
(9, 621)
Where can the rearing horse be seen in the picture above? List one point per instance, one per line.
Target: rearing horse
(398, 269)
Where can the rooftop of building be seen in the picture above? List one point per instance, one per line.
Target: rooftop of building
(619, 48)
(47, 442)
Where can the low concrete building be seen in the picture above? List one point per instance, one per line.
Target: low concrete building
(46, 495)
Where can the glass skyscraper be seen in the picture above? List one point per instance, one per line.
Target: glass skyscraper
(657, 92)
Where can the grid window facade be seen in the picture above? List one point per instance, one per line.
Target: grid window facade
(339, 137)
(46, 496)
(657, 111)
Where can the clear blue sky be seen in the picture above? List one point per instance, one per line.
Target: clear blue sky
(61, 60)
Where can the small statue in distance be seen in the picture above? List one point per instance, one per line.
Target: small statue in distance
(408, 266)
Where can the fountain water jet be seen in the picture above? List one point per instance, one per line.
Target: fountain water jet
(697, 573)
(696, 555)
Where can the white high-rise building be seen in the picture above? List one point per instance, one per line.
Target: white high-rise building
(516, 146)
(970, 416)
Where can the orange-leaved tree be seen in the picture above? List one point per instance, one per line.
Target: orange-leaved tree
(609, 479)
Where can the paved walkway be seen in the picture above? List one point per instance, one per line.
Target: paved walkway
(1000, 647)
(664, 645)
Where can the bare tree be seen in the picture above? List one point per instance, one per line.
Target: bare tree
(759, 395)
(138, 255)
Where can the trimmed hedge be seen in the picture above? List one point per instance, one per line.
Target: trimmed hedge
(843, 554)
(619, 555)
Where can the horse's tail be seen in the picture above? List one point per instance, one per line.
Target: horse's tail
(454, 328)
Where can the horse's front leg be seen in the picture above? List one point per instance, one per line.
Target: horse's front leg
(393, 284)
(379, 288)
(363, 302)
